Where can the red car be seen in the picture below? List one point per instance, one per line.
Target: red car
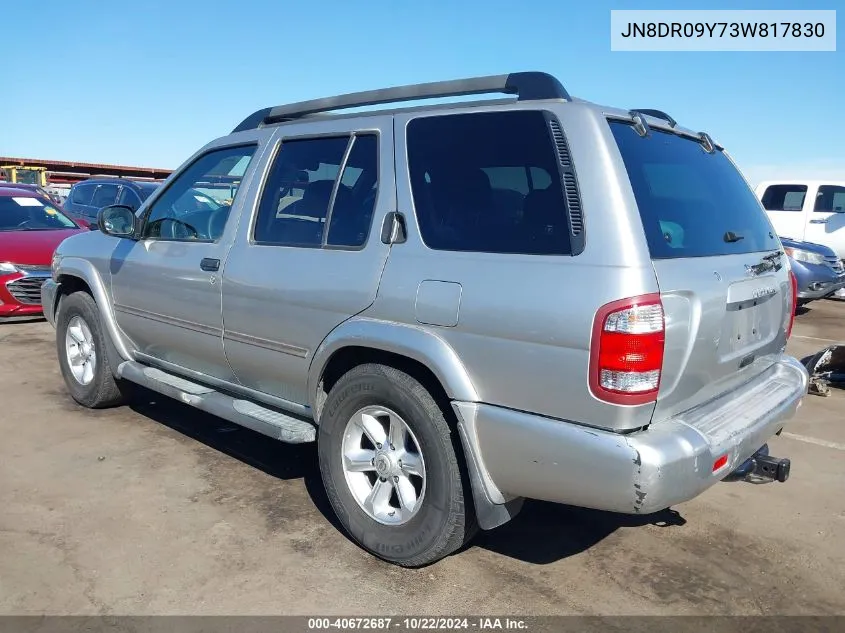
(31, 227)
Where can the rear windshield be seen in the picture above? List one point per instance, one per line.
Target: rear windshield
(692, 204)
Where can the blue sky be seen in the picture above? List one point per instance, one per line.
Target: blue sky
(150, 84)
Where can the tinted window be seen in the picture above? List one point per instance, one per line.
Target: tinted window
(104, 195)
(784, 197)
(474, 185)
(295, 201)
(129, 198)
(830, 199)
(184, 212)
(82, 194)
(352, 212)
(146, 189)
(26, 213)
(690, 201)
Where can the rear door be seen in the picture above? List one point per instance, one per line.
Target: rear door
(311, 256)
(827, 218)
(723, 280)
(785, 203)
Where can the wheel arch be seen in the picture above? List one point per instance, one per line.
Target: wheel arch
(434, 364)
(75, 274)
(369, 340)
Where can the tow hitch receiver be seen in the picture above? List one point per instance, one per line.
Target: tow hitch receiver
(762, 466)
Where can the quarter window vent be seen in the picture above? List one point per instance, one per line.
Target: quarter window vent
(570, 182)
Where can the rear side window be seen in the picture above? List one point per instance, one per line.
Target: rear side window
(830, 199)
(488, 182)
(692, 204)
(82, 194)
(303, 193)
(784, 197)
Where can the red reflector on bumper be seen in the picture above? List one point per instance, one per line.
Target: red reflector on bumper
(720, 462)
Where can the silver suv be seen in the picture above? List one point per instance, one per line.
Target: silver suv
(464, 305)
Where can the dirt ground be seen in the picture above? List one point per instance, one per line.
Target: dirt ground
(159, 509)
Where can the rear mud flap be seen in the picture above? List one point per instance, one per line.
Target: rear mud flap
(826, 368)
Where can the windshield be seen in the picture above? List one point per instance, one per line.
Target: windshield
(20, 213)
(692, 204)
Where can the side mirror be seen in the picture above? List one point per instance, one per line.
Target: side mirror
(117, 220)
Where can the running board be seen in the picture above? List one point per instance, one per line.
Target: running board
(279, 426)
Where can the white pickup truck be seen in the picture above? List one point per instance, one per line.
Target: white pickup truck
(807, 210)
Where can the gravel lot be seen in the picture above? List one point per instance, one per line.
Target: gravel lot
(158, 509)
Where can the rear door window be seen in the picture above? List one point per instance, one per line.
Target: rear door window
(488, 182)
(692, 204)
(82, 194)
(784, 197)
(830, 199)
(104, 196)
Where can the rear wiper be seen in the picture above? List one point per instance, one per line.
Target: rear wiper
(730, 237)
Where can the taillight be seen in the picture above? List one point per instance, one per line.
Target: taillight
(626, 351)
(793, 302)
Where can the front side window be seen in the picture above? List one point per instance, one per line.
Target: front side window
(830, 199)
(488, 182)
(303, 193)
(186, 211)
(784, 197)
(129, 198)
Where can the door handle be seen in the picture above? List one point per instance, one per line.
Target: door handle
(209, 264)
(821, 221)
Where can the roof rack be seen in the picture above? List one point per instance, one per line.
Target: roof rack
(657, 114)
(527, 86)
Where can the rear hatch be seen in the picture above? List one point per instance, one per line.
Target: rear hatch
(723, 279)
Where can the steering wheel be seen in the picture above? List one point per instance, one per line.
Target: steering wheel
(217, 221)
(22, 224)
(176, 229)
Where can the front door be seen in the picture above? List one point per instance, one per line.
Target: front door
(166, 285)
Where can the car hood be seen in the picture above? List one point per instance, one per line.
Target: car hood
(820, 249)
(32, 247)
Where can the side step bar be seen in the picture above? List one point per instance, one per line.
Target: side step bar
(279, 426)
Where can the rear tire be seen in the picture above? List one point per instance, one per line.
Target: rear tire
(81, 347)
(402, 419)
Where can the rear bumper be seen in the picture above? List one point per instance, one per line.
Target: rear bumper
(523, 455)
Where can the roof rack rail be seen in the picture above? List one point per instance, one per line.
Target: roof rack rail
(657, 114)
(527, 86)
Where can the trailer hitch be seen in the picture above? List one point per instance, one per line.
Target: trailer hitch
(762, 467)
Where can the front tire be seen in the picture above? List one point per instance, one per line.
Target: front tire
(391, 469)
(81, 347)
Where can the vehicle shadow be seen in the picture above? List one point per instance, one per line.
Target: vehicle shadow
(21, 320)
(542, 533)
(545, 533)
(277, 459)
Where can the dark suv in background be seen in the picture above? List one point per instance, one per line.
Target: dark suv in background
(86, 198)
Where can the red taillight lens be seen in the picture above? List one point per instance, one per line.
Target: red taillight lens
(626, 353)
(793, 303)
